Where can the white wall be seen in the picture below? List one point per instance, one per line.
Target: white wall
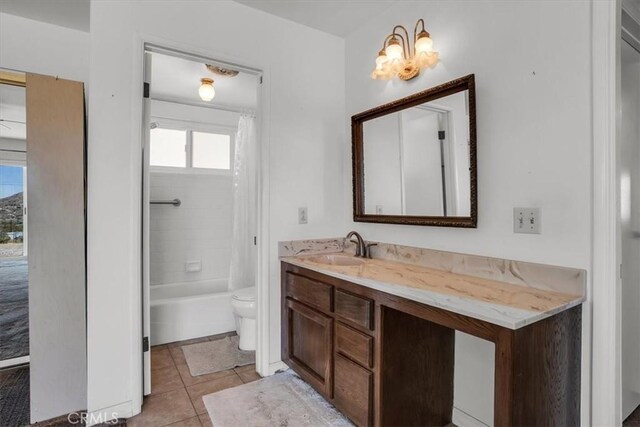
(531, 62)
(302, 122)
(36, 47)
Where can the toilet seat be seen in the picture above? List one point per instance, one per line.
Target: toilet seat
(245, 294)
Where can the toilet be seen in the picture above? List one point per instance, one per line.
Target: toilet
(243, 304)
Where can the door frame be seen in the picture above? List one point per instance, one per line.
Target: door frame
(263, 366)
(605, 384)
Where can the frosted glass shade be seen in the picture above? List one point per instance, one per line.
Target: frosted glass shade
(393, 50)
(206, 91)
(424, 44)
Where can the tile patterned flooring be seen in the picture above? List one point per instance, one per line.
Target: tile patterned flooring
(176, 396)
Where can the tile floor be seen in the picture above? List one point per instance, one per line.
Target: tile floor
(176, 396)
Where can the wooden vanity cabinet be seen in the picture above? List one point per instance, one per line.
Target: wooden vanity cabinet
(327, 340)
(386, 360)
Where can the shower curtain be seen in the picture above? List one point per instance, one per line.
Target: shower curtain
(242, 269)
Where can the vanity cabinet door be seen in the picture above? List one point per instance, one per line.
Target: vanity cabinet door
(309, 349)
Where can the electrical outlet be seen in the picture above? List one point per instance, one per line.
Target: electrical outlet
(302, 216)
(527, 220)
(379, 210)
(193, 266)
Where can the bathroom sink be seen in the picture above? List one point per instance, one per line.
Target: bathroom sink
(343, 260)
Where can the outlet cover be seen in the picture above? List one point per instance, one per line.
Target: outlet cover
(193, 266)
(527, 220)
(302, 216)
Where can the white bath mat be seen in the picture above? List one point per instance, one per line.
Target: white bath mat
(279, 400)
(214, 356)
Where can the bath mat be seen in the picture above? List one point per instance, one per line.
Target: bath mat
(214, 356)
(279, 400)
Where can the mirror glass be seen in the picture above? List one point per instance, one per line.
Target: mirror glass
(414, 159)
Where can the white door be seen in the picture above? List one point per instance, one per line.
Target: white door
(629, 169)
(146, 317)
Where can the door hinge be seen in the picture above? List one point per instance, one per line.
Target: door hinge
(260, 79)
(255, 240)
(441, 135)
(145, 344)
(146, 89)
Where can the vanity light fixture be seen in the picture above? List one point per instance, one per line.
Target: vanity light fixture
(398, 57)
(206, 91)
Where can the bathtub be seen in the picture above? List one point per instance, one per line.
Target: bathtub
(181, 311)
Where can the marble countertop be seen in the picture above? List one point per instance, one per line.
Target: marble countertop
(504, 304)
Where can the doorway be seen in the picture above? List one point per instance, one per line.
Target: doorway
(629, 175)
(199, 212)
(14, 290)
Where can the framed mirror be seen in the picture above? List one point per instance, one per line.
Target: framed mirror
(414, 159)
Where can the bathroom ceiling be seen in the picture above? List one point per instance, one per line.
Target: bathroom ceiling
(178, 79)
(13, 113)
(337, 17)
(65, 13)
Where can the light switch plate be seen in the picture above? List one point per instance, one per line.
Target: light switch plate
(302, 216)
(527, 220)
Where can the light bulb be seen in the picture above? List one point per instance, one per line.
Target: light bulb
(424, 44)
(206, 91)
(393, 50)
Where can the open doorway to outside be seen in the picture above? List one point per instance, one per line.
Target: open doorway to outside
(14, 281)
(14, 301)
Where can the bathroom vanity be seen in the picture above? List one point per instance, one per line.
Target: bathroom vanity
(377, 339)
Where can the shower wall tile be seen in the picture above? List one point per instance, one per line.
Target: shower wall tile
(198, 230)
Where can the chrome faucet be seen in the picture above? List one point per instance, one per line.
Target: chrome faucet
(362, 249)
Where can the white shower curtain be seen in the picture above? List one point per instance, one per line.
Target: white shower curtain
(242, 270)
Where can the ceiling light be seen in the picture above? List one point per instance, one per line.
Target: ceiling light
(398, 57)
(206, 91)
(228, 72)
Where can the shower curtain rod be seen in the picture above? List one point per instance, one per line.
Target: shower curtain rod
(210, 106)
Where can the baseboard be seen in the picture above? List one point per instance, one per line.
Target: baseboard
(109, 414)
(462, 419)
(277, 366)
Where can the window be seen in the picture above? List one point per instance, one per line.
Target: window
(168, 148)
(190, 149)
(211, 150)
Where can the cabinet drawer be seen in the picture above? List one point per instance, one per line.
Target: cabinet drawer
(352, 390)
(354, 309)
(354, 344)
(309, 291)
